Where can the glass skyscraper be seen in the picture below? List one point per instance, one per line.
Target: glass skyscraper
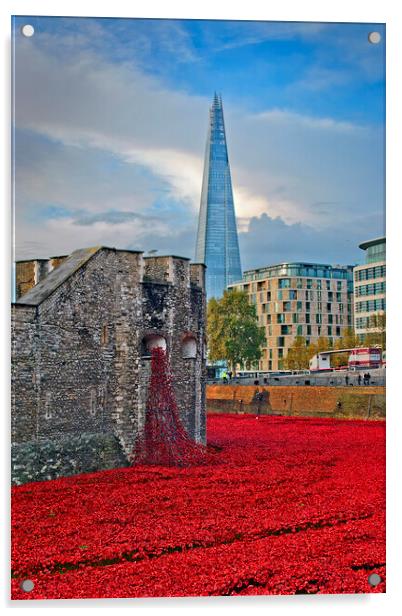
(217, 241)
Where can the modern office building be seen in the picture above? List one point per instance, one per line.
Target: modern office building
(299, 299)
(217, 241)
(369, 286)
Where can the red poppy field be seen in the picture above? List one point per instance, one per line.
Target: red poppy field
(284, 506)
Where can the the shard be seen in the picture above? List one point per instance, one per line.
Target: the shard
(217, 241)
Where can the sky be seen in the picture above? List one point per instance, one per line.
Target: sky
(110, 125)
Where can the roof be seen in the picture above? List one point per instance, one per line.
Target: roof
(299, 263)
(369, 243)
(30, 260)
(48, 285)
(155, 256)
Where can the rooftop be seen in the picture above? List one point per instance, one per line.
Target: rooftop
(67, 268)
(56, 277)
(369, 243)
(299, 264)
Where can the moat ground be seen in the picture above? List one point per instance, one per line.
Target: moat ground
(285, 506)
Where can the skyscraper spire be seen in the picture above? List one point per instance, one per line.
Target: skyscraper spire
(217, 241)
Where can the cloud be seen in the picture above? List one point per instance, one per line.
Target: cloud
(62, 236)
(290, 118)
(122, 153)
(270, 241)
(224, 35)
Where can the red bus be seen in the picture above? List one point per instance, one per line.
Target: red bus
(370, 357)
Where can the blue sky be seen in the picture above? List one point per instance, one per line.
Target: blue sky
(111, 118)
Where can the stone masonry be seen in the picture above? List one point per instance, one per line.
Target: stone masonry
(81, 340)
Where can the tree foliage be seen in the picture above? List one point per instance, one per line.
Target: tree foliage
(377, 335)
(233, 331)
(299, 354)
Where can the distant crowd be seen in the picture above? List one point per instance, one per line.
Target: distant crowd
(360, 380)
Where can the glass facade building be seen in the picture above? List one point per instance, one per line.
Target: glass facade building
(217, 241)
(370, 286)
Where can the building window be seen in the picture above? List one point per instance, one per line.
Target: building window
(284, 283)
(299, 306)
(328, 284)
(189, 347)
(300, 330)
(280, 318)
(329, 307)
(318, 318)
(329, 330)
(286, 330)
(338, 331)
(287, 306)
(292, 294)
(280, 341)
(308, 330)
(307, 306)
(330, 319)
(309, 283)
(308, 317)
(150, 341)
(373, 305)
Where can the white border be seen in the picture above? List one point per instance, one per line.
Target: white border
(290, 10)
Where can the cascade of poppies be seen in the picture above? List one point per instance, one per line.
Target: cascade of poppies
(164, 440)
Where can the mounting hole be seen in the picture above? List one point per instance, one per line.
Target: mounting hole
(374, 37)
(28, 30)
(374, 579)
(27, 585)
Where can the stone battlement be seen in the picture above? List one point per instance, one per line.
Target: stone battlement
(31, 272)
(81, 340)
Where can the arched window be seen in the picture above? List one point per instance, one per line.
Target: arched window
(189, 347)
(150, 341)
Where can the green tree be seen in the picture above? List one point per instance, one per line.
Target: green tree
(349, 340)
(233, 331)
(376, 337)
(298, 355)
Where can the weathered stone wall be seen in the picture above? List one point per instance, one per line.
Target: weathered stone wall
(24, 277)
(24, 420)
(48, 459)
(30, 273)
(80, 365)
(346, 402)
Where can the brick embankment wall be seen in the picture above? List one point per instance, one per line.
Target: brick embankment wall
(340, 402)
